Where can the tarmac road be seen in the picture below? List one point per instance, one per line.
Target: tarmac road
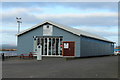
(95, 67)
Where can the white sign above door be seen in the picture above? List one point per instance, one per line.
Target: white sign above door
(66, 45)
(47, 30)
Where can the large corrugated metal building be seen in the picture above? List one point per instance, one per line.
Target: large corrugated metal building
(59, 40)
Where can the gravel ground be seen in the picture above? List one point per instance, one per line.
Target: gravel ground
(94, 67)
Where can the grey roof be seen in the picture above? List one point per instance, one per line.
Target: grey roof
(70, 29)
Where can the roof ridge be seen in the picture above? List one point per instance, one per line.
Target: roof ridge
(79, 30)
(67, 28)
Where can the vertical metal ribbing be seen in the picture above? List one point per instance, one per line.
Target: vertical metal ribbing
(44, 46)
(51, 46)
(39, 41)
(47, 46)
(41, 45)
(59, 47)
(55, 46)
(35, 42)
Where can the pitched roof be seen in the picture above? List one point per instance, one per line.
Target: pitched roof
(69, 29)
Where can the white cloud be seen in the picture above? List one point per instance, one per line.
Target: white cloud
(34, 13)
(78, 15)
(104, 30)
(109, 32)
(19, 12)
(14, 11)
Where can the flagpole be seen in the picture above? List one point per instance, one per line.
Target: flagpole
(19, 22)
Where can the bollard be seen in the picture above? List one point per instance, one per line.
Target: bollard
(3, 57)
(39, 55)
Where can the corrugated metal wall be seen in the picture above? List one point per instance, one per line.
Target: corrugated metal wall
(25, 41)
(84, 46)
(93, 47)
(67, 36)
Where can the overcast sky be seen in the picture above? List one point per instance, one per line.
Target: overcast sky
(95, 17)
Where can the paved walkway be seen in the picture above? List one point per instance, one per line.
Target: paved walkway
(95, 67)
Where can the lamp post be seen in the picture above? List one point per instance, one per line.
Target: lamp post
(18, 21)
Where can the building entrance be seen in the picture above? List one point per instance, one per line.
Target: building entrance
(51, 45)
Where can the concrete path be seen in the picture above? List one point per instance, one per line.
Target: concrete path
(95, 67)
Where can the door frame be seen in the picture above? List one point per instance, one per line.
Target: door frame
(74, 48)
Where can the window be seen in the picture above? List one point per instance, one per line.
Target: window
(51, 45)
(47, 26)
